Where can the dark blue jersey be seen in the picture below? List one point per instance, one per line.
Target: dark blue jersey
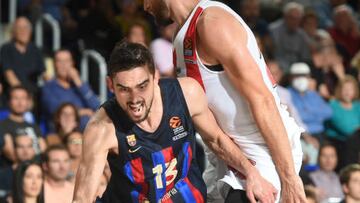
(159, 166)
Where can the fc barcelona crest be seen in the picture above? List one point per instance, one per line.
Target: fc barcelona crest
(131, 140)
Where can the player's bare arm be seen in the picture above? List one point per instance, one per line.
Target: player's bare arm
(245, 75)
(99, 139)
(220, 143)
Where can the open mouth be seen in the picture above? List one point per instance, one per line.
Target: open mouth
(136, 109)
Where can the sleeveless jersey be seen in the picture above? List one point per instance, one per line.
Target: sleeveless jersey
(159, 166)
(230, 109)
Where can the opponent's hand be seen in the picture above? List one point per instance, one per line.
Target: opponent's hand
(259, 189)
(292, 190)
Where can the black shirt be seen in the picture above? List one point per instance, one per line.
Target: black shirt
(27, 66)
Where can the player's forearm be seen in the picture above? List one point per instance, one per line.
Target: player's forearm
(228, 151)
(271, 126)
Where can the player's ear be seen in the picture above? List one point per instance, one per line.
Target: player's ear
(156, 75)
(109, 83)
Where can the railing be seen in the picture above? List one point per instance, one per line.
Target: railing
(12, 10)
(102, 70)
(55, 29)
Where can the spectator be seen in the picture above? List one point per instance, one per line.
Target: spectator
(28, 185)
(345, 33)
(290, 41)
(313, 110)
(19, 103)
(162, 50)
(310, 193)
(350, 180)
(24, 151)
(57, 189)
(73, 142)
(66, 120)
(325, 179)
(324, 9)
(250, 12)
(137, 34)
(22, 62)
(68, 87)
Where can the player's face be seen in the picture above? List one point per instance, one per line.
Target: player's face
(159, 10)
(134, 91)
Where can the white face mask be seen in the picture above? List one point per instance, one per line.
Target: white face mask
(301, 84)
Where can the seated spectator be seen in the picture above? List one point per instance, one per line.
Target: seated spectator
(328, 66)
(73, 142)
(325, 179)
(19, 104)
(162, 50)
(24, 151)
(350, 180)
(345, 119)
(21, 61)
(313, 110)
(28, 183)
(345, 33)
(324, 9)
(66, 120)
(291, 44)
(68, 87)
(57, 189)
(137, 34)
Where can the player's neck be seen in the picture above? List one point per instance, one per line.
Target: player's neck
(181, 10)
(152, 122)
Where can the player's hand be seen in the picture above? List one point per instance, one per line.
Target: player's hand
(259, 189)
(292, 190)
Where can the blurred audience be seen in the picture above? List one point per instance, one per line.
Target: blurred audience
(345, 33)
(66, 120)
(313, 110)
(350, 180)
(28, 183)
(345, 119)
(325, 179)
(57, 188)
(73, 142)
(324, 9)
(21, 60)
(68, 87)
(136, 34)
(15, 124)
(352, 149)
(162, 50)
(291, 44)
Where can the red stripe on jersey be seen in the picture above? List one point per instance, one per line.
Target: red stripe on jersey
(192, 68)
(139, 178)
(196, 193)
(168, 158)
(190, 156)
(174, 59)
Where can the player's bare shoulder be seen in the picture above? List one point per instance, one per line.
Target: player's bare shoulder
(100, 130)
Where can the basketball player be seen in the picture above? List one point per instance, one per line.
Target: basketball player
(147, 135)
(214, 46)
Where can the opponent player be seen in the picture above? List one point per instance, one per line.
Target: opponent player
(147, 134)
(216, 47)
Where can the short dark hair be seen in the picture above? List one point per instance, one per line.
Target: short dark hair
(63, 50)
(126, 56)
(19, 87)
(57, 147)
(346, 172)
(18, 191)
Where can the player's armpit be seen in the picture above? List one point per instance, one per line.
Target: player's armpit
(99, 138)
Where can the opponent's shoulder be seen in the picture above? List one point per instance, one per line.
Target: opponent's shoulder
(215, 16)
(194, 95)
(189, 86)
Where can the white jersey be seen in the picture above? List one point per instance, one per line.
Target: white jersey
(230, 109)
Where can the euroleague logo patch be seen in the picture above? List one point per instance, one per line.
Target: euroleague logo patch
(176, 125)
(175, 122)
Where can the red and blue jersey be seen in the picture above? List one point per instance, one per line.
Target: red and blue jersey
(158, 166)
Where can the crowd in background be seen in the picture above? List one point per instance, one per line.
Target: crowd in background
(312, 49)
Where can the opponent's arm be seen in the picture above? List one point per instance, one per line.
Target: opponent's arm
(99, 138)
(245, 75)
(221, 144)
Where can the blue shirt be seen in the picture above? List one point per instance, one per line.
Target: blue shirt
(53, 95)
(312, 109)
(344, 122)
